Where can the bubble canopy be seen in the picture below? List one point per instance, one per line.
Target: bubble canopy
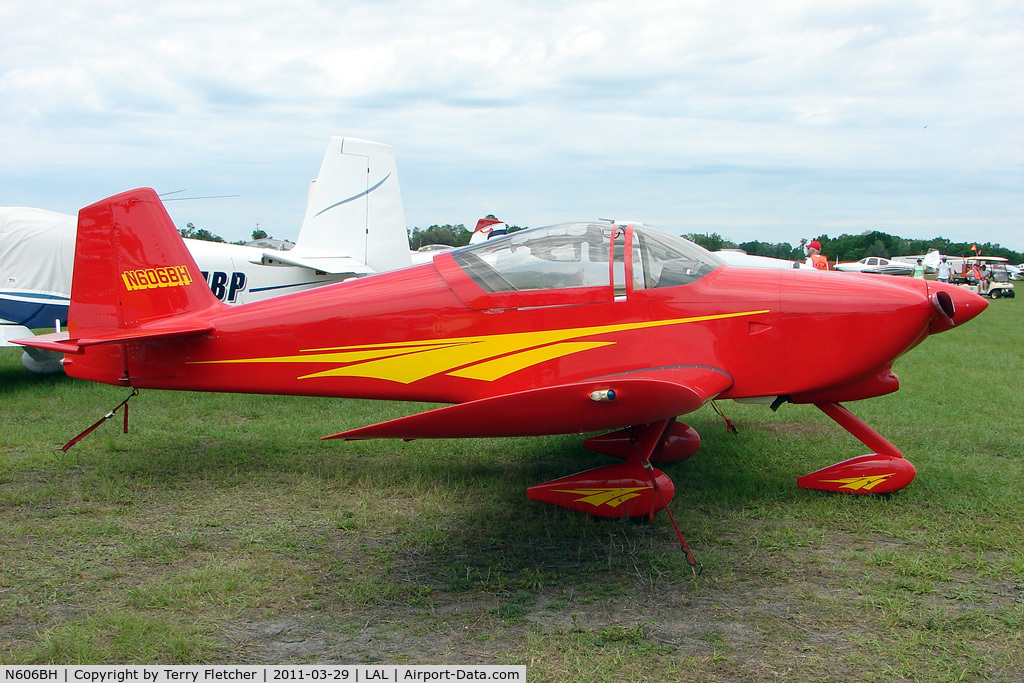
(585, 255)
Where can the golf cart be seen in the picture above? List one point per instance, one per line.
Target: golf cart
(999, 277)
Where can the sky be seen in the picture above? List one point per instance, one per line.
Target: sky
(772, 120)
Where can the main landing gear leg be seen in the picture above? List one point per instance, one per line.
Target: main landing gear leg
(633, 488)
(884, 471)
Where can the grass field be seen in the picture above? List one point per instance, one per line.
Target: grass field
(221, 529)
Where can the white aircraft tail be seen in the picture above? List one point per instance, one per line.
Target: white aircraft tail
(486, 228)
(353, 212)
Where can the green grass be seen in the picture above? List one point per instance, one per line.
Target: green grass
(221, 529)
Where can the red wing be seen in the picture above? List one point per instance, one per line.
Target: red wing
(604, 403)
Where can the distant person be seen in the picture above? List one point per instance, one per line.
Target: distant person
(976, 277)
(919, 269)
(986, 279)
(815, 258)
(944, 272)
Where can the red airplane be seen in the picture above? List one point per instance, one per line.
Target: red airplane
(571, 328)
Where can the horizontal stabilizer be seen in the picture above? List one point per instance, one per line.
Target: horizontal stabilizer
(63, 343)
(564, 409)
(332, 265)
(8, 333)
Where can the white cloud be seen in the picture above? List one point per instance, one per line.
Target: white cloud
(741, 117)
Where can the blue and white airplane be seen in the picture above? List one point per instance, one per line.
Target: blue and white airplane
(354, 225)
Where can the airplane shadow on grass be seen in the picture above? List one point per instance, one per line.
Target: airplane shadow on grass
(454, 512)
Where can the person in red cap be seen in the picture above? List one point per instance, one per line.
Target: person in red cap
(814, 256)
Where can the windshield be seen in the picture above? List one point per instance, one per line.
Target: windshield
(573, 255)
(669, 261)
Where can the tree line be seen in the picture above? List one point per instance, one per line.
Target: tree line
(191, 232)
(855, 247)
(844, 247)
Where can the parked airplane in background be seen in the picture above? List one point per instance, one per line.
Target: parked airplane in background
(354, 225)
(876, 265)
(897, 266)
(565, 329)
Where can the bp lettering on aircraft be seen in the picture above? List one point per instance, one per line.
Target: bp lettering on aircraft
(225, 286)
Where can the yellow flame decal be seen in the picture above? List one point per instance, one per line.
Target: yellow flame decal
(499, 367)
(859, 483)
(484, 358)
(610, 497)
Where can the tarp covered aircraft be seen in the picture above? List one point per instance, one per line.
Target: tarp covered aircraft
(565, 329)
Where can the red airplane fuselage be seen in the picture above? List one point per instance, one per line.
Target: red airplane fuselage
(410, 335)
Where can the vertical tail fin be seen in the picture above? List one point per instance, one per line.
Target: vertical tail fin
(131, 267)
(355, 207)
(134, 281)
(931, 259)
(486, 228)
